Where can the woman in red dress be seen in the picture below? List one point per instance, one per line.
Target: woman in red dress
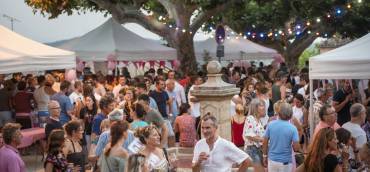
(237, 125)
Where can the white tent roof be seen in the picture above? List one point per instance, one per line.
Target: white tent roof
(20, 54)
(235, 49)
(111, 38)
(351, 61)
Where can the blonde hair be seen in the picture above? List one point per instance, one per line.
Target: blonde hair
(239, 109)
(277, 106)
(105, 125)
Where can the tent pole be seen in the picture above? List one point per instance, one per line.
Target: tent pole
(310, 115)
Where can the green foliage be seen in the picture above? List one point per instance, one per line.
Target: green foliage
(305, 56)
(273, 15)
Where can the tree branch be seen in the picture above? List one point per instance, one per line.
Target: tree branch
(205, 15)
(125, 14)
(297, 47)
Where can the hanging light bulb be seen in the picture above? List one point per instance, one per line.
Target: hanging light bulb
(308, 23)
(170, 26)
(338, 11)
(183, 30)
(318, 20)
(177, 28)
(245, 37)
(309, 32)
(349, 6)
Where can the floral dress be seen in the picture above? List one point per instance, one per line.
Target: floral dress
(252, 128)
(59, 162)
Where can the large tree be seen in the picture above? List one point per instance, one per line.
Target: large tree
(178, 20)
(290, 26)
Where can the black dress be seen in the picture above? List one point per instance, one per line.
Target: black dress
(77, 158)
(330, 162)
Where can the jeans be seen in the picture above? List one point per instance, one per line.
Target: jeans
(274, 166)
(255, 153)
(43, 117)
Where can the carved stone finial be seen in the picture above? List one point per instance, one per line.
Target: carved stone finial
(214, 67)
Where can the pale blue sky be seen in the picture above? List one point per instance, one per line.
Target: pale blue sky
(40, 28)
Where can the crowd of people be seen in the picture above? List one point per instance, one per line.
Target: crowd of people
(124, 123)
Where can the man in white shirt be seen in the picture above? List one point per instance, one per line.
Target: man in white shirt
(194, 102)
(77, 93)
(213, 153)
(179, 89)
(117, 88)
(358, 116)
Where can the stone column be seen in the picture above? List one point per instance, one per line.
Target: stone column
(215, 96)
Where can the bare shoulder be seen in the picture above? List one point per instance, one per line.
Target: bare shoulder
(120, 152)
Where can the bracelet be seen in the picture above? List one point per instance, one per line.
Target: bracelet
(264, 156)
(356, 151)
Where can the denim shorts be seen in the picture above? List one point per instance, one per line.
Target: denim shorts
(255, 153)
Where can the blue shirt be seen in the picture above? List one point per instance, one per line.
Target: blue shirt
(65, 106)
(96, 123)
(161, 99)
(138, 124)
(175, 109)
(104, 139)
(281, 135)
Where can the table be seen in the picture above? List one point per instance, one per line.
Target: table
(30, 136)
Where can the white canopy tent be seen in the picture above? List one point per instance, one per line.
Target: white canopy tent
(20, 54)
(235, 48)
(351, 61)
(111, 38)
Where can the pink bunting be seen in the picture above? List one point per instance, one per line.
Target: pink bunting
(125, 63)
(142, 64)
(136, 64)
(151, 63)
(175, 64)
(112, 62)
(162, 63)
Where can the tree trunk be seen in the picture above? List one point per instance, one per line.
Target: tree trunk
(185, 53)
(291, 60)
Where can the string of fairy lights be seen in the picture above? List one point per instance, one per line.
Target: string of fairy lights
(295, 30)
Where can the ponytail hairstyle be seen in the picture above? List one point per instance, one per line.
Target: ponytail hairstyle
(116, 133)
